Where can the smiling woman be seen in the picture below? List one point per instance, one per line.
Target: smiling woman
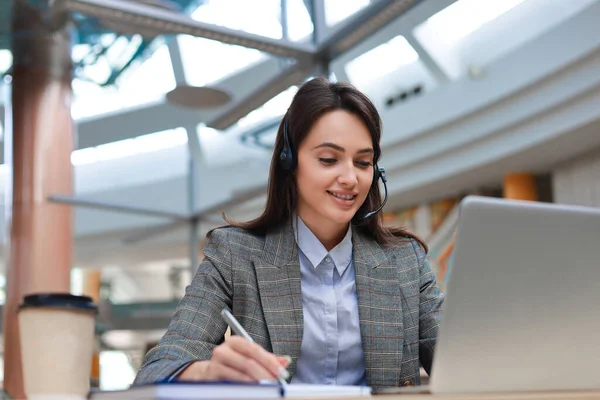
(334, 117)
(335, 173)
(327, 293)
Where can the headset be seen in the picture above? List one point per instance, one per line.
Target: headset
(288, 163)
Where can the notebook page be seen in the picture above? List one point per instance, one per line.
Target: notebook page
(296, 390)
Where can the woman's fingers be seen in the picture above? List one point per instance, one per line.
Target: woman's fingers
(284, 360)
(228, 356)
(218, 371)
(238, 360)
(260, 356)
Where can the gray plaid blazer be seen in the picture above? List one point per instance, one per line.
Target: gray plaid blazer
(258, 279)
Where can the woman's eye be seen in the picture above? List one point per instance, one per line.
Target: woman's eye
(364, 164)
(327, 161)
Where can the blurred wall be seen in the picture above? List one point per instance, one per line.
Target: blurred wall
(577, 182)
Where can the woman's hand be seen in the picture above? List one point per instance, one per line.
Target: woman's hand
(238, 360)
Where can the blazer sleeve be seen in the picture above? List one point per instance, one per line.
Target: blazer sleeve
(196, 327)
(430, 307)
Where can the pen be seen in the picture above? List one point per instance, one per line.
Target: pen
(239, 330)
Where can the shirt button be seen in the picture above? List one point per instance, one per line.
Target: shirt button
(327, 259)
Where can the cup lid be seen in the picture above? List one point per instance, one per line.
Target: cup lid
(58, 300)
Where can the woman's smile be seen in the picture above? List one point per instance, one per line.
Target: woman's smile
(343, 199)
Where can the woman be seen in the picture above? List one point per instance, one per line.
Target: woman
(328, 294)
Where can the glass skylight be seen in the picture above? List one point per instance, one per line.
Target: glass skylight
(300, 25)
(380, 61)
(474, 33)
(132, 87)
(338, 10)
(260, 17)
(96, 60)
(275, 107)
(465, 16)
(207, 61)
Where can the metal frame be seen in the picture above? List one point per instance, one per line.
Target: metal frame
(176, 219)
(316, 10)
(307, 59)
(263, 93)
(310, 58)
(176, 61)
(195, 152)
(164, 22)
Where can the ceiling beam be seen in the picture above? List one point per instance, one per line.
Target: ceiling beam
(115, 207)
(434, 68)
(161, 116)
(316, 10)
(263, 93)
(354, 33)
(350, 33)
(135, 17)
(177, 61)
(362, 25)
(403, 25)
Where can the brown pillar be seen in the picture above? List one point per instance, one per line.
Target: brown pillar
(91, 287)
(42, 141)
(520, 186)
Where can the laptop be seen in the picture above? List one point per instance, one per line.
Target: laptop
(522, 308)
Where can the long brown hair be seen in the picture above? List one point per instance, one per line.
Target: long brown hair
(315, 98)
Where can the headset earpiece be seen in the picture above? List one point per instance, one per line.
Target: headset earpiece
(380, 174)
(286, 157)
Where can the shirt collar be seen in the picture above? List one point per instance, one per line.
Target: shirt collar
(314, 250)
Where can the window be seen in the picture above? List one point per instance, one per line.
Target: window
(275, 107)
(207, 61)
(260, 17)
(390, 72)
(380, 61)
(465, 16)
(338, 10)
(477, 33)
(300, 26)
(140, 84)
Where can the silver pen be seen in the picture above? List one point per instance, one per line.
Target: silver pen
(239, 330)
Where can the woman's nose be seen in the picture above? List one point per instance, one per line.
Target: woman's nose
(348, 177)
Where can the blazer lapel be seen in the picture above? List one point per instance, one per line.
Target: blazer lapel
(380, 312)
(279, 282)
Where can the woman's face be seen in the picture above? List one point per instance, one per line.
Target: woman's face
(335, 171)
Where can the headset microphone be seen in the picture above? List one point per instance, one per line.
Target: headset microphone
(380, 173)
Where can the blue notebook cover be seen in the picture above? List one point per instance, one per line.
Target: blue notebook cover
(187, 390)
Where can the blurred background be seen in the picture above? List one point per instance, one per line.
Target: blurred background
(175, 106)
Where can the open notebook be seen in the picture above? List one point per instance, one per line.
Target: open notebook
(229, 390)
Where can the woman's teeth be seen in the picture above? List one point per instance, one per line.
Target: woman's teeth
(343, 196)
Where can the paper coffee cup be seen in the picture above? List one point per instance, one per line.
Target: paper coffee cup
(57, 342)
